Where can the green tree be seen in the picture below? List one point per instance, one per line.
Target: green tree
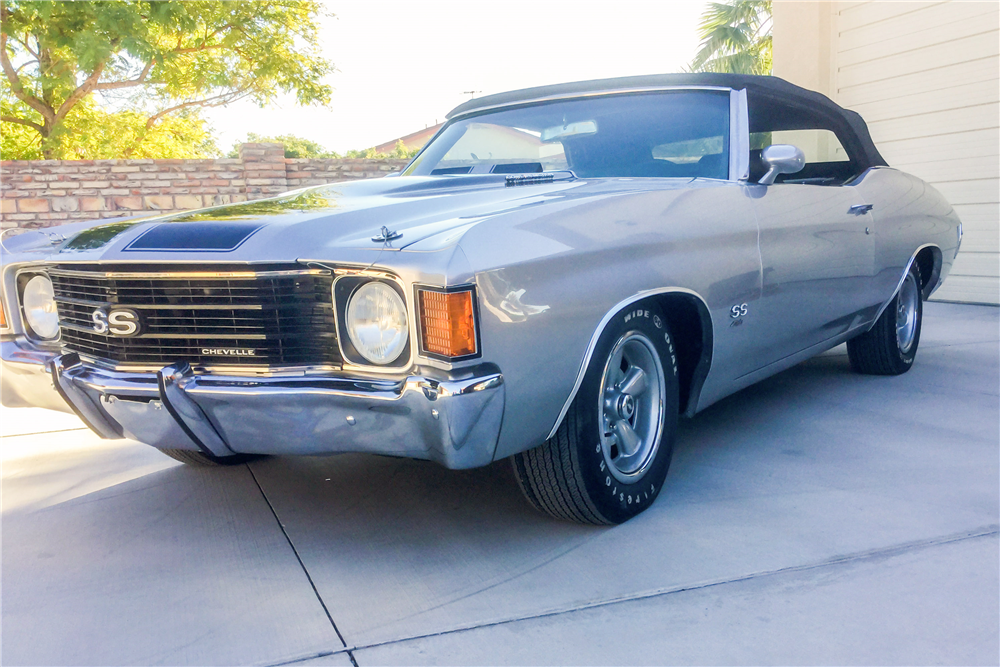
(150, 60)
(399, 152)
(735, 37)
(294, 146)
(100, 134)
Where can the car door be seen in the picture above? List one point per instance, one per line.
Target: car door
(817, 262)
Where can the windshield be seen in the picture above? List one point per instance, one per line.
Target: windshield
(672, 134)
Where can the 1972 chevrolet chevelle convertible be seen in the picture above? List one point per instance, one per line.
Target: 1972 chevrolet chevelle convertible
(558, 276)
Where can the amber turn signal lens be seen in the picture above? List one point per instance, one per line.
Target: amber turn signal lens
(447, 323)
(3, 317)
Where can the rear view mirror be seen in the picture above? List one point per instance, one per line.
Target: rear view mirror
(781, 159)
(569, 130)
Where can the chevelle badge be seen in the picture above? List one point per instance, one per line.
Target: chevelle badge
(228, 351)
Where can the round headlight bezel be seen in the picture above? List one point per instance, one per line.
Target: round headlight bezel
(360, 345)
(36, 294)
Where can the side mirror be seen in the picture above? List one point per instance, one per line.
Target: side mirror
(781, 159)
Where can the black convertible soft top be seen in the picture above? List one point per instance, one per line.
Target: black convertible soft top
(774, 104)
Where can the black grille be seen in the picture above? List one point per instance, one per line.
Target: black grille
(283, 314)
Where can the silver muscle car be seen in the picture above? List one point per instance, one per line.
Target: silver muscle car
(559, 275)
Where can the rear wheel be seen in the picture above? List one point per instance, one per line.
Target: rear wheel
(194, 458)
(609, 457)
(890, 347)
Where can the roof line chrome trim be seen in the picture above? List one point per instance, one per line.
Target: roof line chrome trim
(595, 93)
(600, 330)
(913, 258)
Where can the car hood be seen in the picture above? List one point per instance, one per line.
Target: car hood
(336, 221)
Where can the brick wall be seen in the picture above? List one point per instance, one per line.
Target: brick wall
(42, 193)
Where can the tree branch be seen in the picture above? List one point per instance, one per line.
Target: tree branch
(113, 85)
(196, 49)
(81, 91)
(17, 87)
(21, 121)
(218, 100)
(24, 43)
(25, 64)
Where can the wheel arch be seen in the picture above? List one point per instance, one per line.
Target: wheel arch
(690, 324)
(928, 258)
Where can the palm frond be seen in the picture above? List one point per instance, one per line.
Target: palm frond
(735, 37)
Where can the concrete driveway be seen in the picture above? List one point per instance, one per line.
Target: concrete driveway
(819, 517)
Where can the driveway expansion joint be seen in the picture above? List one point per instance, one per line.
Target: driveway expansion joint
(309, 578)
(60, 430)
(992, 530)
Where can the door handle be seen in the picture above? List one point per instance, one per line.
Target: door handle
(860, 209)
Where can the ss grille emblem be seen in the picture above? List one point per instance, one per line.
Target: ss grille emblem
(122, 322)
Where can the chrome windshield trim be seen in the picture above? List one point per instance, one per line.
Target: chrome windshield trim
(571, 96)
(739, 136)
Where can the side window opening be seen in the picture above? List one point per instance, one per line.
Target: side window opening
(827, 160)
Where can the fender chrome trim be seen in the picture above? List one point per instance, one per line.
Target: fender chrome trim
(899, 284)
(639, 296)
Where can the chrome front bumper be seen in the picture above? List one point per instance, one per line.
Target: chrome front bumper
(453, 420)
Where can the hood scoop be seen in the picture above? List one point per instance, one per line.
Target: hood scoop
(206, 236)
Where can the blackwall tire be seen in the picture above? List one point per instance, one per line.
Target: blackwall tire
(609, 457)
(193, 458)
(890, 347)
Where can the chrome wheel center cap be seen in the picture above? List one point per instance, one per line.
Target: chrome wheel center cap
(626, 406)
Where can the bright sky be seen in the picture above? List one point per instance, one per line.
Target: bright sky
(403, 65)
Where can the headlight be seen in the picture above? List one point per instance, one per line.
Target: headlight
(376, 322)
(39, 307)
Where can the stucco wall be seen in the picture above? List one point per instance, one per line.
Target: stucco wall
(926, 78)
(42, 193)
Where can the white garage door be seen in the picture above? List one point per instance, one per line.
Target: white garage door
(926, 77)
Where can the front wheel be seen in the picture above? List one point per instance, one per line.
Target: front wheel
(609, 457)
(890, 347)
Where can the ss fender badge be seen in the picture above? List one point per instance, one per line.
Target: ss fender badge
(737, 312)
(120, 322)
(229, 351)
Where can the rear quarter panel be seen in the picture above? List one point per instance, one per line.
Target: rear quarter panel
(908, 214)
